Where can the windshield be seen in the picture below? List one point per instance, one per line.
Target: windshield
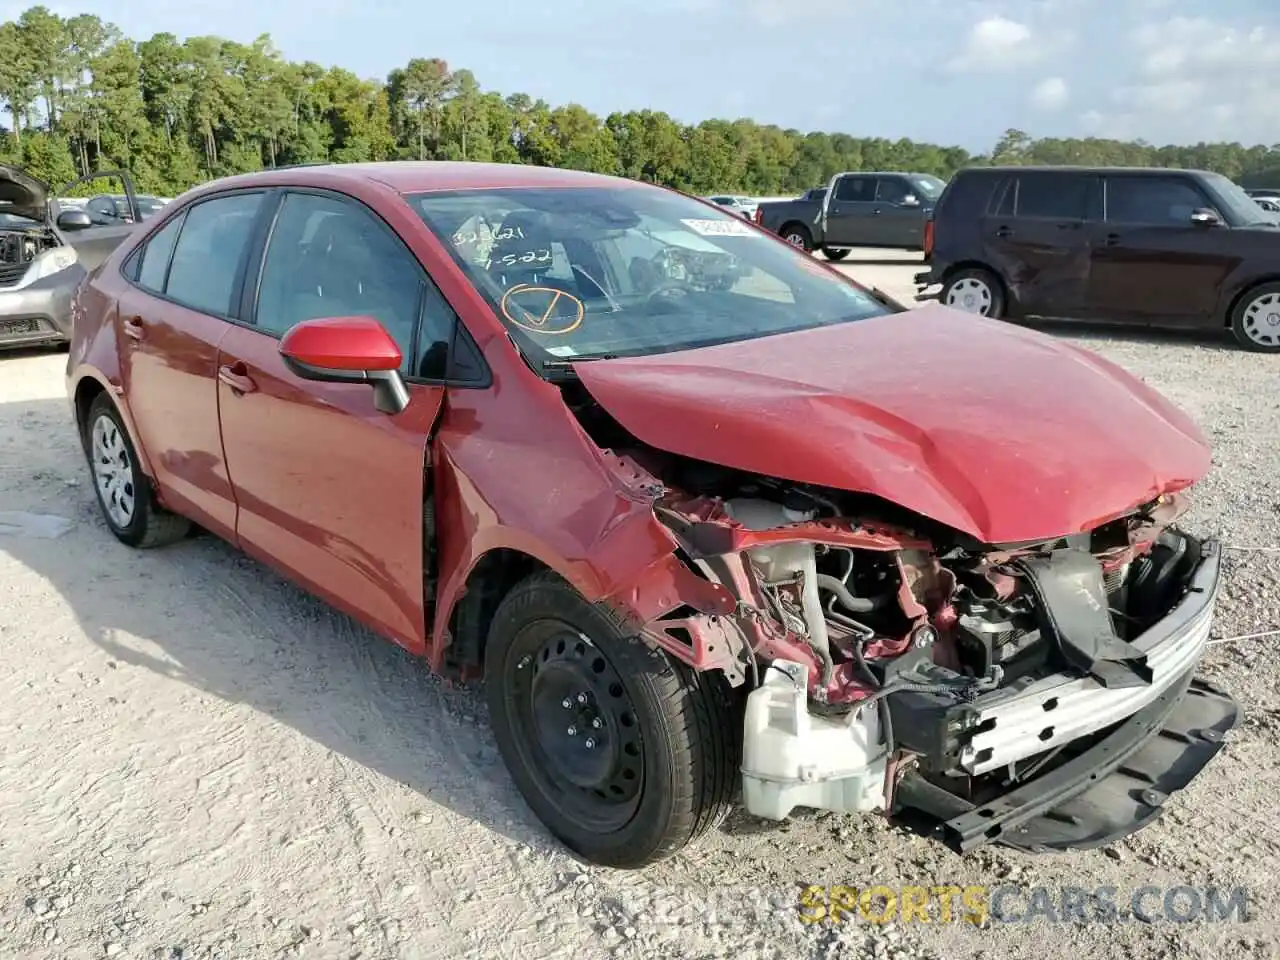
(928, 185)
(1239, 205)
(607, 271)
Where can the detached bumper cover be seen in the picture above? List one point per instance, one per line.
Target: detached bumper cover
(1109, 791)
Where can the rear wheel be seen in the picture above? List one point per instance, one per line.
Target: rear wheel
(832, 253)
(798, 235)
(625, 754)
(124, 491)
(974, 290)
(1255, 321)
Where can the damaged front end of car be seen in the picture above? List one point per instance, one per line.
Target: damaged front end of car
(1040, 695)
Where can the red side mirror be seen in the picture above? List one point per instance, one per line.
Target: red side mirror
(348, 350)
(342, 345)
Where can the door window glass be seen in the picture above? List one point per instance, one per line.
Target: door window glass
(855, 189)
(1154, 200)
(215, 236)
(155, 257)
(1058, 196)
(332, 258)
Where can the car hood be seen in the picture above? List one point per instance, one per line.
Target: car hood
(1003, 433)
(23, 194)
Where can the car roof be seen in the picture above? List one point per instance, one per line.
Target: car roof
(421, 176)
(1069, 168)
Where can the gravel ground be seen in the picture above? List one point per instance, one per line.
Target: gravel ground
(201, 761)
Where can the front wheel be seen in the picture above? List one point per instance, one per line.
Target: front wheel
(974, 291)
(832, 253)
(1255, 321)
(626, 755)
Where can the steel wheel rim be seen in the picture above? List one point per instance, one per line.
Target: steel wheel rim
(970, 295)
(112, 471)
(1261, 320)
(575, 725)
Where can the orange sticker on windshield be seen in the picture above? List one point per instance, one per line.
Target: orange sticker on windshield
(543, 310)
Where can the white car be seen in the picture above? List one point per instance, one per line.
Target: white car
(743, 206)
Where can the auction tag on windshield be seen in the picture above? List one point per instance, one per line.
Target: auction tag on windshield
(719, 228)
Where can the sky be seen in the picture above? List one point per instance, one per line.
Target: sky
(946, 71)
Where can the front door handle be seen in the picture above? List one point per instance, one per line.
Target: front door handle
(1003, 232)
(133, 328)
(875, 212)
(1112, 240)
(236, 376)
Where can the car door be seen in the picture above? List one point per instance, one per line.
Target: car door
(1036, 239)
(848, 214)
(1150, 262)
(183, 286)
(896, 218)
(330, 489)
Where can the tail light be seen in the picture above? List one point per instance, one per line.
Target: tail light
(928, 238)
(758, 216)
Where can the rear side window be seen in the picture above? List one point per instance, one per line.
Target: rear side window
(1058, 196)
(1152, 200)
(855, 189)
(155, 256)
(968, 195)
(214, 238)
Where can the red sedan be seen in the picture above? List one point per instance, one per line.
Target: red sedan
(715, 524)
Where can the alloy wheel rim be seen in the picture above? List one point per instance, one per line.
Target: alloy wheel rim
(576, 725)
(1261, 320)
(796, 240)
(112, 471)
(970, 295)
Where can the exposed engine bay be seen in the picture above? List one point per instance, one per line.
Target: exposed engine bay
(18, 247)
(874, 641)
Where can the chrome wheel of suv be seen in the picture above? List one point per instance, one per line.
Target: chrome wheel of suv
(974, 290)
(1256, 323)
(971, 295)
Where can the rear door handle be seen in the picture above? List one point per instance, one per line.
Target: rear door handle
(133, 328)
(1112, 240)
(1003, 232)
(236, 376)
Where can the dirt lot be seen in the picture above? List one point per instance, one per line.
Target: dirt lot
(201, 761)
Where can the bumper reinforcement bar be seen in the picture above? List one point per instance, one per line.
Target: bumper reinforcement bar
(1112, 789)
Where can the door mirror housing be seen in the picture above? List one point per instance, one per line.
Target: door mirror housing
(1204, 217)
(348, 350)
(74, 220)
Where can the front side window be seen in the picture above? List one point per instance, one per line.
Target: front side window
(1163, 201)
(329, 257)
(212, 244)
(892, 190)
(628, 271)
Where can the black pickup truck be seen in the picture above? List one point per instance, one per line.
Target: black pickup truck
(856, 210)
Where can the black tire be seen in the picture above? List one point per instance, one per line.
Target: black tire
(668, 741)
(994, 305)
(1251, 319)
(833, 255)
(147, 524)
(798, 235)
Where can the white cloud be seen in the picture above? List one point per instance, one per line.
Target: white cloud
(1198, 79)
(1051, 93)
(996, 44)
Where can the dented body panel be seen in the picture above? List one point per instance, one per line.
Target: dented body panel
(1002, 433)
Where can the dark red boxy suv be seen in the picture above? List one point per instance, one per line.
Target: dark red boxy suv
(714, 523)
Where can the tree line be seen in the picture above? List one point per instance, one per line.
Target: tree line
(79, 96)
